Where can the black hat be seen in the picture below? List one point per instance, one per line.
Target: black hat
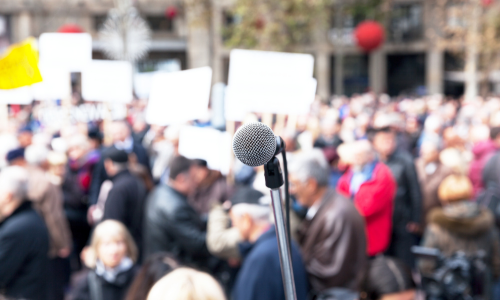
(115, 155)
(15, 154)
(247, 195)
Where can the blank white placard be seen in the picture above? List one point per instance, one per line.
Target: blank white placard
(269, 82)
(56, 83)
(22, 95)
(292, 97)
(178, 97)
(262, 66)
(107, 81)
(70, 51)
(209, 144)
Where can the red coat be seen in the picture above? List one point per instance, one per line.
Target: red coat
(374, 201)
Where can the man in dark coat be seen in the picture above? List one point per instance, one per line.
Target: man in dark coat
(260, 276)
(408, 203)
(122, 140)
(332, 237)
(171, 224)
(24, 240)
(126, 199)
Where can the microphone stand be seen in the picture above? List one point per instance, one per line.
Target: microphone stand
(274, 180)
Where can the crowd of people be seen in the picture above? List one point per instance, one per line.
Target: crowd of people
(111, 210)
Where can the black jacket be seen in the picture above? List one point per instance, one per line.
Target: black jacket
(117, 290)
(172, 225)
(408, 202)
(125, 203)
(491, 171)
(24, 248)
(99, 174)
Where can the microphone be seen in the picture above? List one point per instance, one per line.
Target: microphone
(255, 144)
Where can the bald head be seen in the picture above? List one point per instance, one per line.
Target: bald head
(13, 189)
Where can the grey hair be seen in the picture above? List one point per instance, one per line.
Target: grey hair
(14, 180)
(258, 213)
(36, 154)
(311, 165)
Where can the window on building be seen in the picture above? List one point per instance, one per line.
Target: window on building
(98, 21)
(160, 23)
(406, 22)
(4, 32)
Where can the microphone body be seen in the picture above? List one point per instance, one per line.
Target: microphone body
(255, 144)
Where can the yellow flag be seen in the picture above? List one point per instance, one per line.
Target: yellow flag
(19, 66)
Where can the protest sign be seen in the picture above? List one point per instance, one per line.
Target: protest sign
(107, 81)
(56, 84)
(269, 82)
(69, 51)
(209, 144)
(178, 97)
(22, 95)
(19, 66)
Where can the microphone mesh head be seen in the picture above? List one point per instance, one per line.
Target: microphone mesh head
(254, 144)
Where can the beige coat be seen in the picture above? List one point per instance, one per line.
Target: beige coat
(48, 201)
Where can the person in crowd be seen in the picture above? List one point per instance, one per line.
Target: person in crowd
(47, 199)
(75, 186)
(329, 136)
(388, 278)
(260, 275)
(25, 136)
(222, 239)
(491, 171)
(332, 236)
(126, 199)
(211, 188)
(153, 269)
(24, 240)
(111, 257)
(172, 225)
(431, 172)
(461, 225)
(186, 283)
(16, 157)
(122, 140)
(407, 213)
(372, 187)
(483, 149)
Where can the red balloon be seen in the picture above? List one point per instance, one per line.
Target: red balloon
(487, 2)
(171, 12)
(70, 28)
(369, 35)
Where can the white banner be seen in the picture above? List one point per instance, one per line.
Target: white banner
(178, 97)
(69, 51)
(107, 81)
(209, 144)
(269, 82)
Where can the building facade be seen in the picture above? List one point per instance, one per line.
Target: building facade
(407, 63)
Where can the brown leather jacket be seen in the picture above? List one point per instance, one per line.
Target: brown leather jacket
(333, 244)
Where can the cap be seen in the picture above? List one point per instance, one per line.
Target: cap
(115, 155)
(15, 154)
(247, 195)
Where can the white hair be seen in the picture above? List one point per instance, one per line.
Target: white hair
(14, 179)
(258, 213)
(432, 123)
(311, 164)
(36, 154)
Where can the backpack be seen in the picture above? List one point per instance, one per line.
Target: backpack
(490, 197)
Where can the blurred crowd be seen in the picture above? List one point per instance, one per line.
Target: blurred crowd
(109, 210)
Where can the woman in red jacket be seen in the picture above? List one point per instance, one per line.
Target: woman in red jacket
(372, 187)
